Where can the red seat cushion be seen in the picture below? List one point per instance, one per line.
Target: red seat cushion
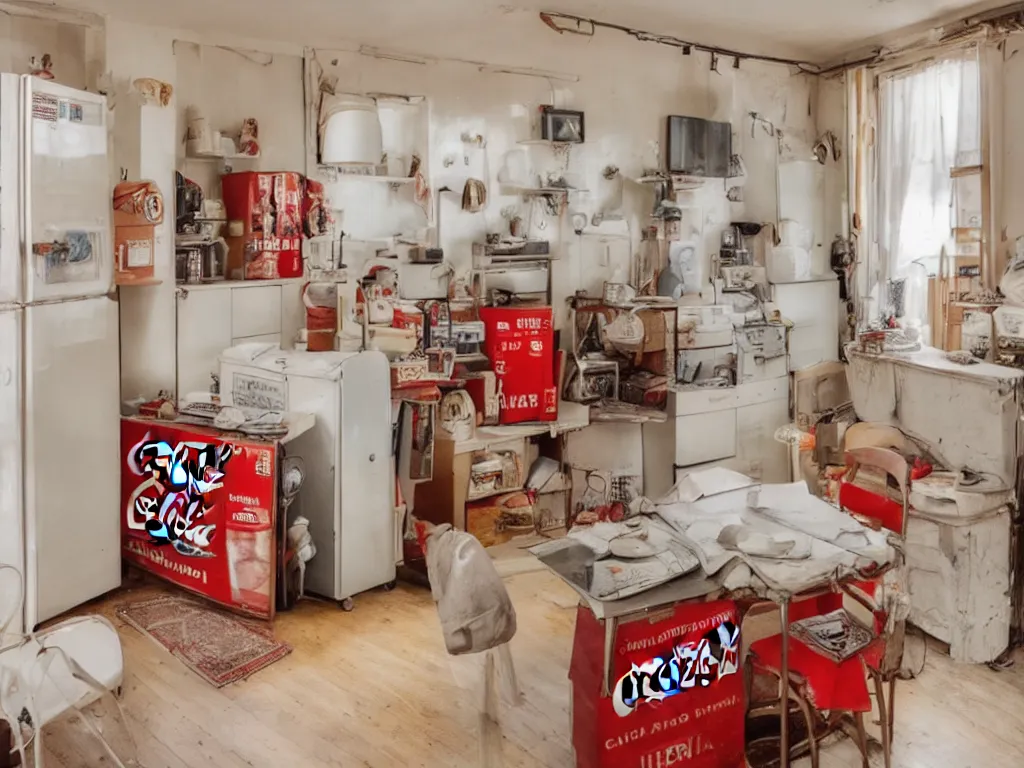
(871, 505)
(830, 685)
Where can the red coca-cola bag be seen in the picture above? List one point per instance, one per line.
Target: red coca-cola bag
(521, 346)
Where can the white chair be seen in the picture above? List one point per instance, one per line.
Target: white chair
(44, 675)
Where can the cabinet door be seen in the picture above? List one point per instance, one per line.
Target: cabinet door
(813, 309)
(71, 409)
(705, 437)
(766, 460)
(204, 331)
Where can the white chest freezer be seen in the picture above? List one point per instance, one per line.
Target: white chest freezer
(348, 490)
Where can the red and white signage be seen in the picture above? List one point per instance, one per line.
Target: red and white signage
(521, 346)
(677, 696)
(200, 511)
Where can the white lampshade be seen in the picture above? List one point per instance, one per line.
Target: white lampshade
(350, 131)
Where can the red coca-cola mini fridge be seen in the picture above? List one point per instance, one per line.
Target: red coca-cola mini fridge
(269, 205)
(521, 346)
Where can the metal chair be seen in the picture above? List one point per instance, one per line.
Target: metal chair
(797, 692)
(883, 515)
(882, 658)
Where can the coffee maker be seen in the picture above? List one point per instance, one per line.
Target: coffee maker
(200, 253)
(731, 253)
(734, 251)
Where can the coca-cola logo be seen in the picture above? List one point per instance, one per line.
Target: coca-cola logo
(686, 666)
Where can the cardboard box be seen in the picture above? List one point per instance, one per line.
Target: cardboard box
(483, 389)
(655, 329)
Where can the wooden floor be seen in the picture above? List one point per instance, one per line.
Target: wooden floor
(375, 688)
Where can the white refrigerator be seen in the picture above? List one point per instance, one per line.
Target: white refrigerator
(59, 357)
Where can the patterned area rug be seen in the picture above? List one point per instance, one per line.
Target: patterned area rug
(217, 646)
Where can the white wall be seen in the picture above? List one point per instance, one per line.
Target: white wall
(228, 85)
(626, 89)
(23, 38)
(831, 116)
(144, 144)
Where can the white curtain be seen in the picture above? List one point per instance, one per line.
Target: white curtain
(928, 124)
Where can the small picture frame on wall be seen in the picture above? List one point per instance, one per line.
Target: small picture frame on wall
(561, 125)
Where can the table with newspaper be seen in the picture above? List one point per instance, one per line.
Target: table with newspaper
(718, 535)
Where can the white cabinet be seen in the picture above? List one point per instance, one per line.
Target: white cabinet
(717, 430)
(813, 308)
(215, 316)
(734, 425)
(960, 582)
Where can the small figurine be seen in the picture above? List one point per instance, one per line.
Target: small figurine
(249, 140)
(43, 71)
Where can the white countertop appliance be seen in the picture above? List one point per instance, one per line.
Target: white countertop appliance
(349, 487)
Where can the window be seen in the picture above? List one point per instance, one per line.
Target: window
(929, 154)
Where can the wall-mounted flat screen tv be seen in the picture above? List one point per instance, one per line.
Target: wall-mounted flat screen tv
(697, 147)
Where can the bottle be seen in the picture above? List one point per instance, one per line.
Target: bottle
(793, 435)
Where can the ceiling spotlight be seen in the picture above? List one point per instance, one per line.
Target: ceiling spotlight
(736, 63)
(714, 61)
(687, 49)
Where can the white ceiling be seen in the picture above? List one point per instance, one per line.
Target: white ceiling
(814, 30)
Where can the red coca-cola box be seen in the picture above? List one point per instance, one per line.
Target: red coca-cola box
(199, 509)
(676, 694)
(269, 205)
(521, 346)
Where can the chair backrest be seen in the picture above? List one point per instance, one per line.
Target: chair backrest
(889, 515)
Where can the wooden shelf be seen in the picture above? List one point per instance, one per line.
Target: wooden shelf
(380, 179)
(546, 143)
(547, 191)
(976, 304)
(965, 170)
(967, 235)
(338, 173)
(680, 182)
(216, 156)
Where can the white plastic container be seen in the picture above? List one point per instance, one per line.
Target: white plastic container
(350, 132)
